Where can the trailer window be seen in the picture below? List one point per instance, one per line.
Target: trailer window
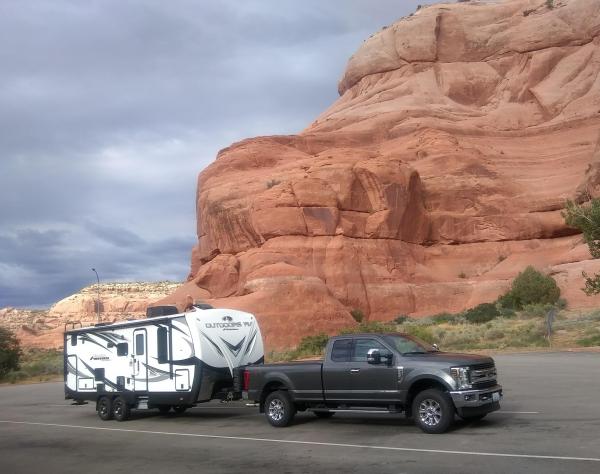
(341, 350)
(139, 344)
(122, 349)
(162, 345)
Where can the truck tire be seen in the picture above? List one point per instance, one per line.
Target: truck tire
(104, 408)
(120, 409)
(279, 409)
(324, 414)
(433, 411)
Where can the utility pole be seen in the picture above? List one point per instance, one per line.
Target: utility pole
(98, 291)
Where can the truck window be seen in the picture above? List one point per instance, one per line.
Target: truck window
(362, 346)
(162, 348)
(341, 350)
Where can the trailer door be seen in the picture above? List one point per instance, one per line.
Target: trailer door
(140, 360)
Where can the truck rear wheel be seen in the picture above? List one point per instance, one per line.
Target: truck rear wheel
(120, 409)
(104, 408)
(433, 411)
(279, 409)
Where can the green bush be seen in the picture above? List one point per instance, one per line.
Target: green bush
(10, 352)
(589, 341)
(482, 313)
(530, 287)
(401, 319)
(358, 315)
(444, 318)
(313, 344)
(422, 332)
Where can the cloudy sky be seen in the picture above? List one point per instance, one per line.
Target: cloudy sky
(109, 109)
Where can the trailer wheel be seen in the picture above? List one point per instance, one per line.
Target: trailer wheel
(120, 408)
(179, 409)
(433, 411)
(279, 409)
(164, 409)
(104, 408)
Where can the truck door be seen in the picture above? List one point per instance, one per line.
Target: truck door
(140, 360)
(370, 382)
(336, 372)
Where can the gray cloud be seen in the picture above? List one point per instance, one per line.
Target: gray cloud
(109, 109)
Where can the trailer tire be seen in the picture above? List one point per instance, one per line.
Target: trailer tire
(433, 411)
(164, 409)
(179, 409)
(121, 410)
(279, 408)
(104, 408)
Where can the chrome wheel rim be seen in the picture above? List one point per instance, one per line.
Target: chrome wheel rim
(118, 408)
(276, 410)
(430, 412)
(103, 408)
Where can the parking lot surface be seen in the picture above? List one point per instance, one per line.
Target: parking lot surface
(549, 423)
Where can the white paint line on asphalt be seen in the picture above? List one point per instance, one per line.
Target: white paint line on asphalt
(310, 443)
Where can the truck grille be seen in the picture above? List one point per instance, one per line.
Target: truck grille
(483, 375)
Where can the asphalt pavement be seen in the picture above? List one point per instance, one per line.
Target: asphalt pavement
(549, 423)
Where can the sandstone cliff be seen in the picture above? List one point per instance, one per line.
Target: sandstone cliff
(438, 174)
(118, 301)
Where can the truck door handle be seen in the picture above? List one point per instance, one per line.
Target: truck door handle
(354, 371)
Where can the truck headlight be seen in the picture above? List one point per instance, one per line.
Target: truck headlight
(461, 376)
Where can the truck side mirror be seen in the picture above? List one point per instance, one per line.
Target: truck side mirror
(373, 356)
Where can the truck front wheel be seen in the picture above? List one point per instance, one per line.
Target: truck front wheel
(433, 411)
(279, 409)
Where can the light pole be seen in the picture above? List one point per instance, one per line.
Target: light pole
(98, 290)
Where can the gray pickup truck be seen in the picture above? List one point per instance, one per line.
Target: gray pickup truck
(377, 373)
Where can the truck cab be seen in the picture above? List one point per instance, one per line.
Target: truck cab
(380, 373)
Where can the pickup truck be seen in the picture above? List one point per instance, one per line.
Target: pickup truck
(377, 373)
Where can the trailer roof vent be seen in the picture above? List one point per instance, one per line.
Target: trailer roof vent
(156, 311)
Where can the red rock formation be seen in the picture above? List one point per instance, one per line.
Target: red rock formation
(438, 174)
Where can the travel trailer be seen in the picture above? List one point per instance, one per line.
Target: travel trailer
(166, 361)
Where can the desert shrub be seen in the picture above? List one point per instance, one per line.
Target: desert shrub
(550, 4)
(422, 332)
(10, 352)
(494, 333)
(401, 319)
(313, 344)
(482, 313)
(589, 341)
(358, 315)
(462, 275)
(444, 318)
(530, 287)
(537, 310)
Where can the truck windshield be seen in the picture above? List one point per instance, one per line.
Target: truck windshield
(409, 344)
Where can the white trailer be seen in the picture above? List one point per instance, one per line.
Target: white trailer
(163, 362)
